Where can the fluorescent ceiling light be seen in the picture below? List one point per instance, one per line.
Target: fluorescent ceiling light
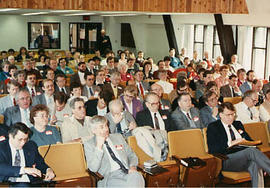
(7, 9)
(35, 13)
(80, 14)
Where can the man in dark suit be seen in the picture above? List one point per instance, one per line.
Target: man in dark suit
(113, 90)
(88, 89)
(143, 87)
(30, 80)
(79, 76)
(225, 133)
(20, 112)
(185, 116)
(164, 103)
(60, 85)
(152, 115)
(20, 161)
(231, 89)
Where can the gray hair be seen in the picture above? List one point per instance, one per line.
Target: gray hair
(150, 94)
(248, 94)
(24, 90)
(116, 102)
(97, 120)
(73, 101)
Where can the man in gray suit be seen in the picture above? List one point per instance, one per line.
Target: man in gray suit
(88, 88)
(142, 86)
(20, 112)
(231, 89)
(185, 116)
(9, 100)
(111, 156)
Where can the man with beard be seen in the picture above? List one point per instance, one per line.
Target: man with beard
(79, 76)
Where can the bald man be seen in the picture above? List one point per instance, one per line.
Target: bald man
(104, 43)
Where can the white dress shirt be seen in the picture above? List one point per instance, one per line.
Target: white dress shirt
(114, 165)
(25, 118)
(81, 76)
(160, 120)
(243, 114)
(167, 86)
(236, 133)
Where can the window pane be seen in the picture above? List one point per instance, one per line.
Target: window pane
(260, 37)
(216, 39)
(199, 33)
(217, 51)
(199, 48)
(259, 62)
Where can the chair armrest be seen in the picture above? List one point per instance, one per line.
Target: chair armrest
(220, 156)
(96, 175)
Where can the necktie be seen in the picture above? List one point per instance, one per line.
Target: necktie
(141, 89)
(62, 90)
(231, 132)
(122, 167)
(188, 115)
(91, 91)
(251, 115)
(26, 116)
(17, 161)
(14, 102)
(156, 121)
(118, 128)
(33, 92)
(233, 93)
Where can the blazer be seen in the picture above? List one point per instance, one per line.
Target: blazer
(70, 126)
(165, 104)
(38, 90)
(99, 160)
(91, 107)
(217, 138)
(206, 115)
(32, 157)
(13, 115)
(5, 102)
(75, 78)
(245, 87)
(57, 89)
(107, 89)
(39, 99)
(144, 118)
(145, 85)
(136, 105)
(225, 91)
(180, 121)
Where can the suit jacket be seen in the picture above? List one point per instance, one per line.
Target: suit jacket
(206, 115)
(181, 122)
(99, 161)
(75, 78)
(146, 87)
(144, 118)
(225, 91)
(32, 157)
(39, 99)
(245, 87)
(70, 126)
(91, 107)
(165, 104)
(107, 89)
(57, 89)
(127, 118)
(13, 115)
(217, 138)
(38, 90)
(136, 105)
(5, 102)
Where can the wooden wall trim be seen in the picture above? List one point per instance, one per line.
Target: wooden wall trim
(172, 6)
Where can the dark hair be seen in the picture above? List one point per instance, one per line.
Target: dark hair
(181, 95)
(61, 60)
(181, 83)
(88, 74)
(227, 105)
(12, 67)
(19, 72)
(90, 60)
(59, 75)
(28, 73)
(166, 58)
(255, 81)
(109, 59)
(75, 85)
(223, 67)
(240, 70)
(210, 84)
(201, 70)
(81, 63)
(13, 82)
(159, 62)
(37, 108)
(61, 97)
(206, 72)
(23, 48)
(232, 76)
(250, 71)
(73, 101)
(96, 58)
(208, 94)
(11, 50)
(13, 130)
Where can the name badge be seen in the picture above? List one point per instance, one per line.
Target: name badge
(48, 132)
(166, 107)
(2, 138)
(240, 131)
(119, 147)
(164, 117)
(65, 115)
(196, 118)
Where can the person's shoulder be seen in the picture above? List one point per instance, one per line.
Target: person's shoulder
(214, 124)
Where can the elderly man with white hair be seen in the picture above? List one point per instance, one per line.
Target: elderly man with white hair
(112, 157)
(120, 121)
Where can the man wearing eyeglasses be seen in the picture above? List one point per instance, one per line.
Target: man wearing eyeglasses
(88, 89)
(225, 133)
(152, 115)
(246, 112)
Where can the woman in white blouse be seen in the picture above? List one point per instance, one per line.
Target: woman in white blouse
(265, 107)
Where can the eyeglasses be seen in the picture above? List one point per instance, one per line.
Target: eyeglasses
(43, 116)
(254, 100)
(154, 103)
(231, 114)
(213, 99)
(129, 96)
(90, 79)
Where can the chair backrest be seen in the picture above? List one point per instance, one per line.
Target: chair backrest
(67, 160)
(205, 139)
(233, 100)
(142, 156)
(165, 96)
(258, 131)
(186, 143)
(1, 119)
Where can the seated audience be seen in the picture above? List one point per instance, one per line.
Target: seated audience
(20, 112)
(23, 55)
(152, 115)
(246, 112)
(120, 121)
(231, 89)
(164, 103)
(29, 68)
(185, 116)
(161, 67)
(224, 76)
(125, 76)
(209, 113)
(97, 106)
(30, 80)
(4, 74)
(234, 65)
(9, 100)
(88, 88)
(76, 92)
(79, 76)
(247, 85)
(167, 61)
(117, 167)
(63, 67)
(100, 78)
(20, 77)
(175, 61)
(90, 67)
(142, 85)
(20, 162)
(167, 86)
(264, 108)
(77, 127)
(147, 71)
(257, 86)
(225, 133)
(60, 85)
(207, 77)
(42, 133)
(241, 75)
(132, 66)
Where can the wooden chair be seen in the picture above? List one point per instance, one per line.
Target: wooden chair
(259, 131)
(190, 143)
(3, 95)
(233, 100)
(1, 119)
(229, 177)
(68, 163)
(165, 96)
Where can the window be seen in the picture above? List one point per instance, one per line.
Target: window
(216, 44)
(199, 40)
